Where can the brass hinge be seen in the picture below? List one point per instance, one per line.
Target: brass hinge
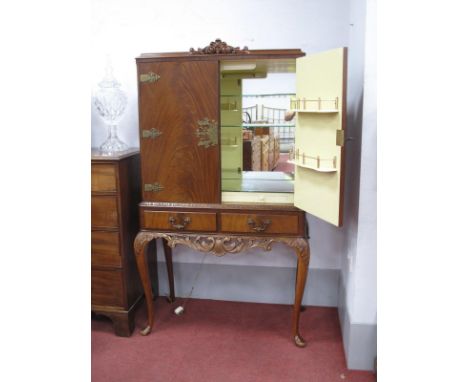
(149, 77)
(153, 133)
(207, 132)
(153, 187)
(340, 138)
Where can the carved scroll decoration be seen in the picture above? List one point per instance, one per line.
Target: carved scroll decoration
(141, 240)
(219, 47)
(220, 245)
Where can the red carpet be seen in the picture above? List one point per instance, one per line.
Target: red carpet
(217, 341)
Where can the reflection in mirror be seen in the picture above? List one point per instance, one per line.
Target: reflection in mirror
(257, 132)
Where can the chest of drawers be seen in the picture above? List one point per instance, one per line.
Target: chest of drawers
(115, 193)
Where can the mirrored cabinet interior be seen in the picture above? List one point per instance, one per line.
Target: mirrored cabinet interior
(231, 159)
(285, 155)
(256, 139)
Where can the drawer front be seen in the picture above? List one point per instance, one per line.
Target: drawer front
(105, 249)
(103, 178)
(179, 221)
(104, 211)
(107, 288)
(256, 223)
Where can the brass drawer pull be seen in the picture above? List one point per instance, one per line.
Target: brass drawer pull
(258, 228)
(185, 222)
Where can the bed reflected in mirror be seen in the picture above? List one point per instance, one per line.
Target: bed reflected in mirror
(257, 131)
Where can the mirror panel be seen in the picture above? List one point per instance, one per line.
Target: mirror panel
(256, 139)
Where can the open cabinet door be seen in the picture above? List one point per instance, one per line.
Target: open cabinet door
(320, 107)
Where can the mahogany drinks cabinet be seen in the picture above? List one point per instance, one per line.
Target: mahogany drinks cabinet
(194, 191)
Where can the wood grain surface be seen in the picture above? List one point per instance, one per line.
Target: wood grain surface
(104, 211)
(107, 287)
(103, 177)
(285, 220)
(160, 220)
(105, 249)
(185, 93)
(239, 223)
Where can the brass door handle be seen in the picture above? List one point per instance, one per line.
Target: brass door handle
(173, 222)
(264, 223)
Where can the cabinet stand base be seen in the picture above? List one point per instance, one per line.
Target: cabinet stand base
(219, 245)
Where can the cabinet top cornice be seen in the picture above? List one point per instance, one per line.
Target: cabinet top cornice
(241, 55)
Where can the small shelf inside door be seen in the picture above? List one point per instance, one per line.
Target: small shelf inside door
(315, 111)
(318, 105)
(311, 167)
(316, 163)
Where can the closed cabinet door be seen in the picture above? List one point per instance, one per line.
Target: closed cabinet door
(179, 131)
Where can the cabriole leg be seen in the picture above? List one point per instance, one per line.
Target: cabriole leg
(141, 255)
(170, 270)
(303, 255)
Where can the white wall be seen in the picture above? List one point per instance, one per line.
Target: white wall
(127, 28)
(364, 306)
(354, 128)
(359, 260)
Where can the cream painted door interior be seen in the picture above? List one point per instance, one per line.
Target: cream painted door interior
(320, 107)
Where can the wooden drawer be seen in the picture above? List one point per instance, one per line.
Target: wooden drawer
(107, 288)
(179, 221)
(104, 212)
(105, 249)
(256, 223)
(103, 178)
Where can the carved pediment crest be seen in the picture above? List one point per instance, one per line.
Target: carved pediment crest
(219, 47)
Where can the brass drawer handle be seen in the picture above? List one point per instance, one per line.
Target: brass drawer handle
(258, 228)
(173, 221)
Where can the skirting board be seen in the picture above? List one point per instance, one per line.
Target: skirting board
(359, 340)
(272, 285)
